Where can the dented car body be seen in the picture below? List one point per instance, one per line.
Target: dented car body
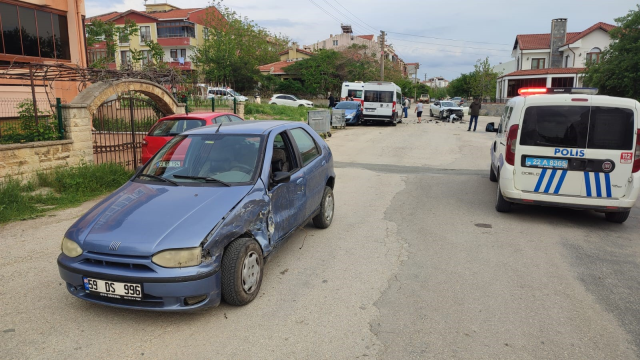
(202, 215)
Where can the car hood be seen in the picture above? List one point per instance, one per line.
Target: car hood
(349, 112)
(148, 218)
(452, 108)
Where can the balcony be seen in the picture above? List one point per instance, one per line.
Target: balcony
(175, 41)
(175, 64)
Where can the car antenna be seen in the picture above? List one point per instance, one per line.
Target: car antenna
(218, 129)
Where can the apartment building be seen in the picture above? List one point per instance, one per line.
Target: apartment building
(177, 30)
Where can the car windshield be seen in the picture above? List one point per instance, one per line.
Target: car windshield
(206, 159)
(175, 126)
(447, 104)
(347, 105)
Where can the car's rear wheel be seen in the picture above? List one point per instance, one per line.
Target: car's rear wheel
(492, 174)
(502, 205)
(617, 217)
(241, 271)
(325, 217)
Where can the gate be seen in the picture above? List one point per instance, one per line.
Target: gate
(119, 126)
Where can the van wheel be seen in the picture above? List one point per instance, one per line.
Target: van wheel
(502, 205)
(492, 174)
(617, 217)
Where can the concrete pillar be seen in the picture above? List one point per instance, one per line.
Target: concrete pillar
(78, 124)
(240, 109)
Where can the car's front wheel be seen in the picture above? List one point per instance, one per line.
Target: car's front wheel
(617, 217)
(430, 113)
(242, 264)
(325, 217)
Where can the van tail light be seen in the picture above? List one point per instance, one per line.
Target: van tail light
(394, 106)
(512, 140)
(636, 158)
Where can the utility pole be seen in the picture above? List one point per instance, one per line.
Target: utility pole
(415, 84)
(382, 55)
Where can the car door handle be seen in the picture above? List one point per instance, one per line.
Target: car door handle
(324, 162)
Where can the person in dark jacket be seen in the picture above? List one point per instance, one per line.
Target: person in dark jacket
(332, 101)
(474, 109)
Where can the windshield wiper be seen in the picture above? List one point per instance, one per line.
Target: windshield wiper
(205, 178)
(159, 178)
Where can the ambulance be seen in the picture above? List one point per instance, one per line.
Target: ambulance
(567, 147)
(352, 89)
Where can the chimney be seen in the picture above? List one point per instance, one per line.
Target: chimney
(558, 38)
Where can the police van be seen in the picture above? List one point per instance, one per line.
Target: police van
(567, 147)
(382, 103)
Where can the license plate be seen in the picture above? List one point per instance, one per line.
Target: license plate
(113, 289)
(172, 163)
(547, 163)
(369, 110)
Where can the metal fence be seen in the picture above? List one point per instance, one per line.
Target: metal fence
(197, 104)
(19, 123)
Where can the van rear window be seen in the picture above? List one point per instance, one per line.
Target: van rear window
(174, 127)
(611, 128)
(378, 96)
(556, 126)
(356, 94)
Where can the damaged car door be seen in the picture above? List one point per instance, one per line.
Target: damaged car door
(287, 197)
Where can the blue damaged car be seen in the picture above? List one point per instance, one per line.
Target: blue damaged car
(352, 111)
(197, 222)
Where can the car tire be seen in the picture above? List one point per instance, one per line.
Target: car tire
(325, 217)
(442, 115)
(241, 271)
(430, 113)
(502, 205)
(617, 217)
(492, 174)
(300, 105)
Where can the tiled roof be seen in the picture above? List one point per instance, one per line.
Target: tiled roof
(543, 41)
(276, 67)
(173, 14)
(545, 72)
(160, 15)
(298, 50)
(366, 37)
(103, 17)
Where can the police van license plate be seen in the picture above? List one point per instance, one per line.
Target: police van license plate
(113, 289)
(546, 163)
(369, 109)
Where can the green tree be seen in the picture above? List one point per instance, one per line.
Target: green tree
(234, 47)
(321, 73)
(462, 85)
(618, 72)
(483, 82)
(111, 34)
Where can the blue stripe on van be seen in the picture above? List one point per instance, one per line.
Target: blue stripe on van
(560, 181)
(587, 183)
(607, 182)
(550, 181)
(596, 177)
(540, 180)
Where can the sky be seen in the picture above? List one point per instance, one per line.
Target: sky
(446, 39)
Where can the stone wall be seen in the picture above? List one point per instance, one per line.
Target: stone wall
(24, 160)
(492, 109)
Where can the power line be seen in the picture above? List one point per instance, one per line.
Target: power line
(431, 37)
(455, 46)
(438, 50)
(354, 15)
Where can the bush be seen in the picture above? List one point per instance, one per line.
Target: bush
(28, 131)
(276, 112)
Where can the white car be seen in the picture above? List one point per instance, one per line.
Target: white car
(289, 100)
(570, 148)
(444, 109)
(224, 93)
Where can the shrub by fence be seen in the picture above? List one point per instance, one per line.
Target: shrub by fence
(18, 123)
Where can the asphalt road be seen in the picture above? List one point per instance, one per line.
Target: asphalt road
(417, 264)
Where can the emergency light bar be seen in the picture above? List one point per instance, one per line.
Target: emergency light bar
(559, 90)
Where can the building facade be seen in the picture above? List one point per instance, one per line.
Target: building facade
(177, 30)
(437, 82)
(287, 57)
(555, 59)
(43, 32)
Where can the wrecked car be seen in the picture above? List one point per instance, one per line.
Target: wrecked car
(195, 225)
(446, 110)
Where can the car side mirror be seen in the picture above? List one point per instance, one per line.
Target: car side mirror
(491, 127)
(280, 177)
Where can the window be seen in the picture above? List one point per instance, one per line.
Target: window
(282, 159)
(183, 53)
(205, 33)
(593, 55)
(566, 61)
(282, 97)
(145, 34)
(504, 120)
(335, 42)
(537, 63)
(306, 145)
(174, 29)
(123, 39)
(175, 127)
(518, 63)
(611, 128)
(146, 57)
(561, 126)
(562, 82)
(125, 57)
(514, 85)
(31, 32)
(234, 118)
(222, 119)
(356, 94)
(378, 96)
(173, 53)
(178, 53)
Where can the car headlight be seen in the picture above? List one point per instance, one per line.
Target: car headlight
(178, 258)
(70, 248)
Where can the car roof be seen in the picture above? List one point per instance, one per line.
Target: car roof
(566, 99)
(196, 116)
(245, 127)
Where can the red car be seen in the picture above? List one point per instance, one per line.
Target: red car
(168, 127)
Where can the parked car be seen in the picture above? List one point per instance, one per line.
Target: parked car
(195, 224)
(224, 93)
(444, 110)
(352, 111)
(168, 127)
(289, 100)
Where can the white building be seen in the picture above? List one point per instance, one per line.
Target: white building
(437, 82)
(555, 59)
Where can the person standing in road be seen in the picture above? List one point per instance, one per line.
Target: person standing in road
(405, 107)
(418, 110)
(474, 109)
(332, 101)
